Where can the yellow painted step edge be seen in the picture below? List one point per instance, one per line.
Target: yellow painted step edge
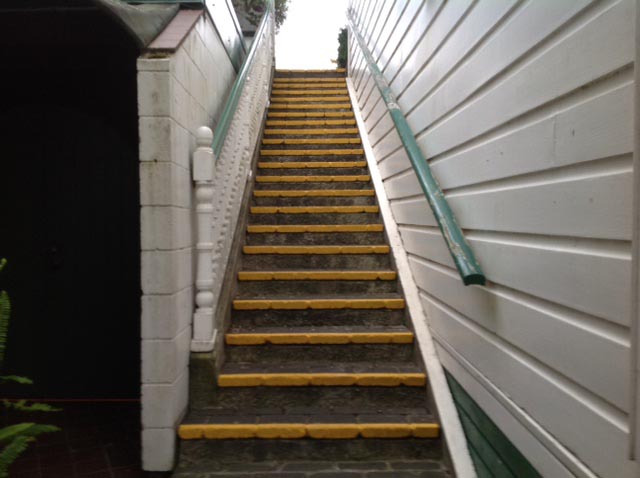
(319, 228)
(335, 431)
(323, 250)
(346, 122)
(320, 338)
(311, 152)
(311, 164)
(299, 193)
(319, 71)
(311, 99)
(313, 179)
(310, 79)
(286, 91)
(317, 304)
(393, 379)
(310, 106)
(310, 114)
(316, 275)
(315, 131)
(313, 209)
(311, 141)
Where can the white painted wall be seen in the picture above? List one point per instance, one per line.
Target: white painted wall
(177, 93)
(524, 110)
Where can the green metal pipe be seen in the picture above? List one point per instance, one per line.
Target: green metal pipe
(220, 133)
(466, 263)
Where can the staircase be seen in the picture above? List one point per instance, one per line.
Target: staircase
(320, 374)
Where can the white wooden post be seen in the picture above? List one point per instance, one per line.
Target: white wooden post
(203, 171)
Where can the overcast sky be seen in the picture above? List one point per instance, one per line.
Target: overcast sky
(308, 38)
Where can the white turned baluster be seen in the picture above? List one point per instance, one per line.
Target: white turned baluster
(203, 171)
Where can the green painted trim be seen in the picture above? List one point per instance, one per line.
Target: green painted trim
(468, 267)
(236, 91)
(493, 454)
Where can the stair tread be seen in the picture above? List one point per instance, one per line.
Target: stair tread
(297, 275)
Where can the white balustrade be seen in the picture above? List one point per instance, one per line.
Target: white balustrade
(220, 184)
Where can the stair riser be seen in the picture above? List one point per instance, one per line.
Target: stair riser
(303, 186)
(207, 455)
(312, 171)
(304, 400)
(312, 136)
(263, 262)
(310, 239)
(311, 318)
(293, 147)
(266, 289)
(288, 354)
(314, 201)
(329, 218)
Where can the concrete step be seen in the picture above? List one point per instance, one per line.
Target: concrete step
(320, 97)
(381, 468)
(269, 354)
(318, 318)
(317, 168)
(320, 219)
(322, 373)
(314, 238)
(315, 201)
(312, 140)
(318, 335)
(292, 91)
(305, 183)
(315, 121)
(265, 289)
(316, 261)
(321, 302)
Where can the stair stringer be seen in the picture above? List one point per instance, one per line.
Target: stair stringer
(454, 438)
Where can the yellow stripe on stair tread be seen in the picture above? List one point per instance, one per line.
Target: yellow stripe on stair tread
(319, 250)
(317, 304)
(318, 72)
(343, 122)
(311, 99)
(319, 338)
(301, 228)
(310, 106)
(313, 179)
(310, 114)
(314, 131)
(315, 275)
(311, 141)
(391, 379)
(312, 164)
(312, 152)
(299, 193)
(340, 80)
(333, 431)
(313, 209)
(310, 92)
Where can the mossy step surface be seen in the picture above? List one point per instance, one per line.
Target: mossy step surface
(266, 289)
(318, 318)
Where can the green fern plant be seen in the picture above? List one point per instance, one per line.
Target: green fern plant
(15, 439)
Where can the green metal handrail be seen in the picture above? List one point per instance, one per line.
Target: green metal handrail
(236, 91)
(468, 267)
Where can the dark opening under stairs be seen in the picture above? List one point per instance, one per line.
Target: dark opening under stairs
(321, 376)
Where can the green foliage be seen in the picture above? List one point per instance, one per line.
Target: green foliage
(15, 439)
(342, 48)
(255, 9)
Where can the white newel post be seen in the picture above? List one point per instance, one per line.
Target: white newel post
(203, 171)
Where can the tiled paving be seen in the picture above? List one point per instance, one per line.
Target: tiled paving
(97, 440)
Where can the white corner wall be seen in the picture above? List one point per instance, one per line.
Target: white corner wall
(178, 92)
(524, 110)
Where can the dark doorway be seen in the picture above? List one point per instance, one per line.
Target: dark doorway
(69, 196)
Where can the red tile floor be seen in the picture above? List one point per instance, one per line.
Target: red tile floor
(97, 440)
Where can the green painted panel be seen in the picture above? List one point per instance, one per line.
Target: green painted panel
(493, 454)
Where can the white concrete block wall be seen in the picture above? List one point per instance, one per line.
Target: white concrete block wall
(177, 93)
(524, 110)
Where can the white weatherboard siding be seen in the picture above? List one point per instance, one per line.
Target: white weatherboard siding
(177, 93)
(524, 110)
